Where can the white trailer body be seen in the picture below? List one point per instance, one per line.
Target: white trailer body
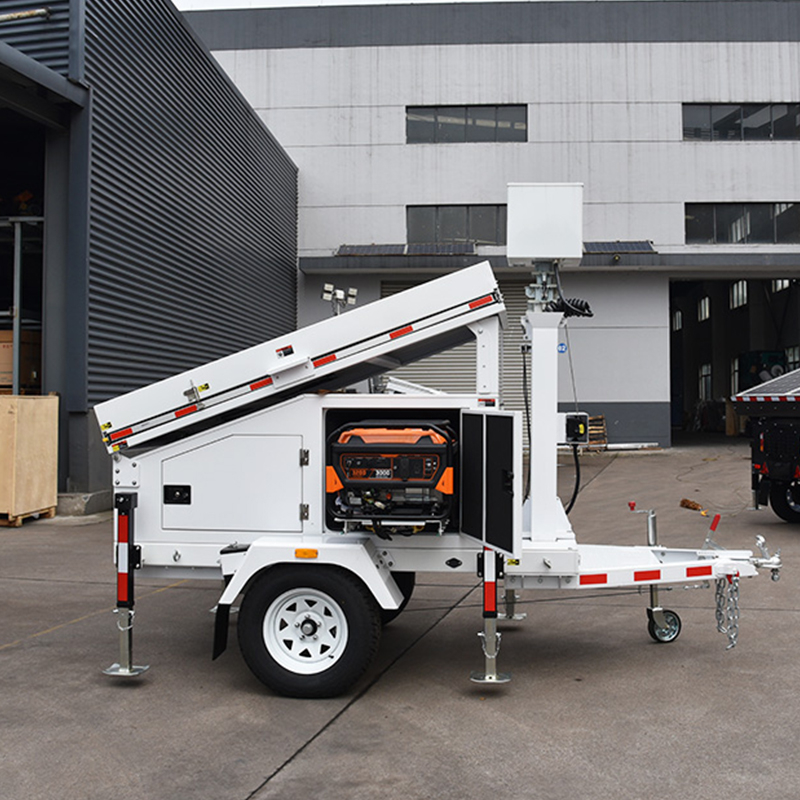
(318, 507)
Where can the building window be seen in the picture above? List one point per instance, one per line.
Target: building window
(447, 124)
(478, 224)
(780, 284)
(677, 320)
(704, 386)
(741, 122)
(704, 309)
(742, 223)
(734, 374)
(793, 358)
(738, 294)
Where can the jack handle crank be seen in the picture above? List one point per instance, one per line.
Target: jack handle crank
(652, 536)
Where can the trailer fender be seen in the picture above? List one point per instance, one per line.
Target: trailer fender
(360, 558)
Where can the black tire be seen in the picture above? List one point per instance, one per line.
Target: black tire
(405, 583)
(308, 631)
(667, 634)
(785, 501)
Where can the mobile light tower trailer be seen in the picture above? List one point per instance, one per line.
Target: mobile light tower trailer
(319, 507)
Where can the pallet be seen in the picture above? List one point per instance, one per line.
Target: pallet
(12, 521)
(598, 435)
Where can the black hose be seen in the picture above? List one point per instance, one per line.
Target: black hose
(527, 399)
(569, 307)
(577, 479)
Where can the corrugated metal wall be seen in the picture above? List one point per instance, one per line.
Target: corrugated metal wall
(46, 40)
(193, 205)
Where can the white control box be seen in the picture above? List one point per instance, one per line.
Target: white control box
(545, 223)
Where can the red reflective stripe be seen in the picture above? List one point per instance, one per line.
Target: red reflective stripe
(647, 575)
(482, 302)
(587, 580)
(121, 434)
(714, 524)
(699, 572)
(123, 533)
(261, 384)
(122, 587)
(320, 362)
(182, 412)
(122, 528)
(490, 596)
(401, 332)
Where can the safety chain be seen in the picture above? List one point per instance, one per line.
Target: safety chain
(721, 602)
(727, 611)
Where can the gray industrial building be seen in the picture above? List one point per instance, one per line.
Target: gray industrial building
(680, 117)
(148, 218)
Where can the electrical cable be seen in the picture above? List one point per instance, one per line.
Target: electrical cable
(571, 368)
(527, 398)
(571, 307)
(577, 479)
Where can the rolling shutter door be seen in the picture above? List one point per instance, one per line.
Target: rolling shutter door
(454, 370)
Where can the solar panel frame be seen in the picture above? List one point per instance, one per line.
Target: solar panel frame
(620, 247)
(787, 385)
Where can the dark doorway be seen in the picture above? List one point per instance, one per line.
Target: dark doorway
(22, 143)
(726, 336)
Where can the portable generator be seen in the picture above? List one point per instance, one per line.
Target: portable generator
(391, 473)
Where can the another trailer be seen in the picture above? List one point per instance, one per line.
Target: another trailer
(773, 408)
(318, 507)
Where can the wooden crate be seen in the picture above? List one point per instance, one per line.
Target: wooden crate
(598, 436)
(28, 457)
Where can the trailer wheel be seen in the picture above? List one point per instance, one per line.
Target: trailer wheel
(308, 631)
(405, 583)
(785, 501)
(670, 632)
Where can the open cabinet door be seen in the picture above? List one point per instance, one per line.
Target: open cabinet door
(491, 479)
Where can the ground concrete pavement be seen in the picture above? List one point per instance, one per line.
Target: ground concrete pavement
(595, 709)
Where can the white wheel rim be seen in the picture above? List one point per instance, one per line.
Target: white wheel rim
(670, 630)
(305, 631)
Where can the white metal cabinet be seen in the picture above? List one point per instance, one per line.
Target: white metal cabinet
(240, 482)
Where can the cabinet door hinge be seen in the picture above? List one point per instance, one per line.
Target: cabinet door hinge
(304, 458)
(303, 510)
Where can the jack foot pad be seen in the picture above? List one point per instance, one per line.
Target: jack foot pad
(496, 678)
(118, 671)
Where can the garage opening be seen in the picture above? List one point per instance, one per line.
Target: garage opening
(727, 336)
(21, 253)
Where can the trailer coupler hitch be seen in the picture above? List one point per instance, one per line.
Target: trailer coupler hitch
(772, 563)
